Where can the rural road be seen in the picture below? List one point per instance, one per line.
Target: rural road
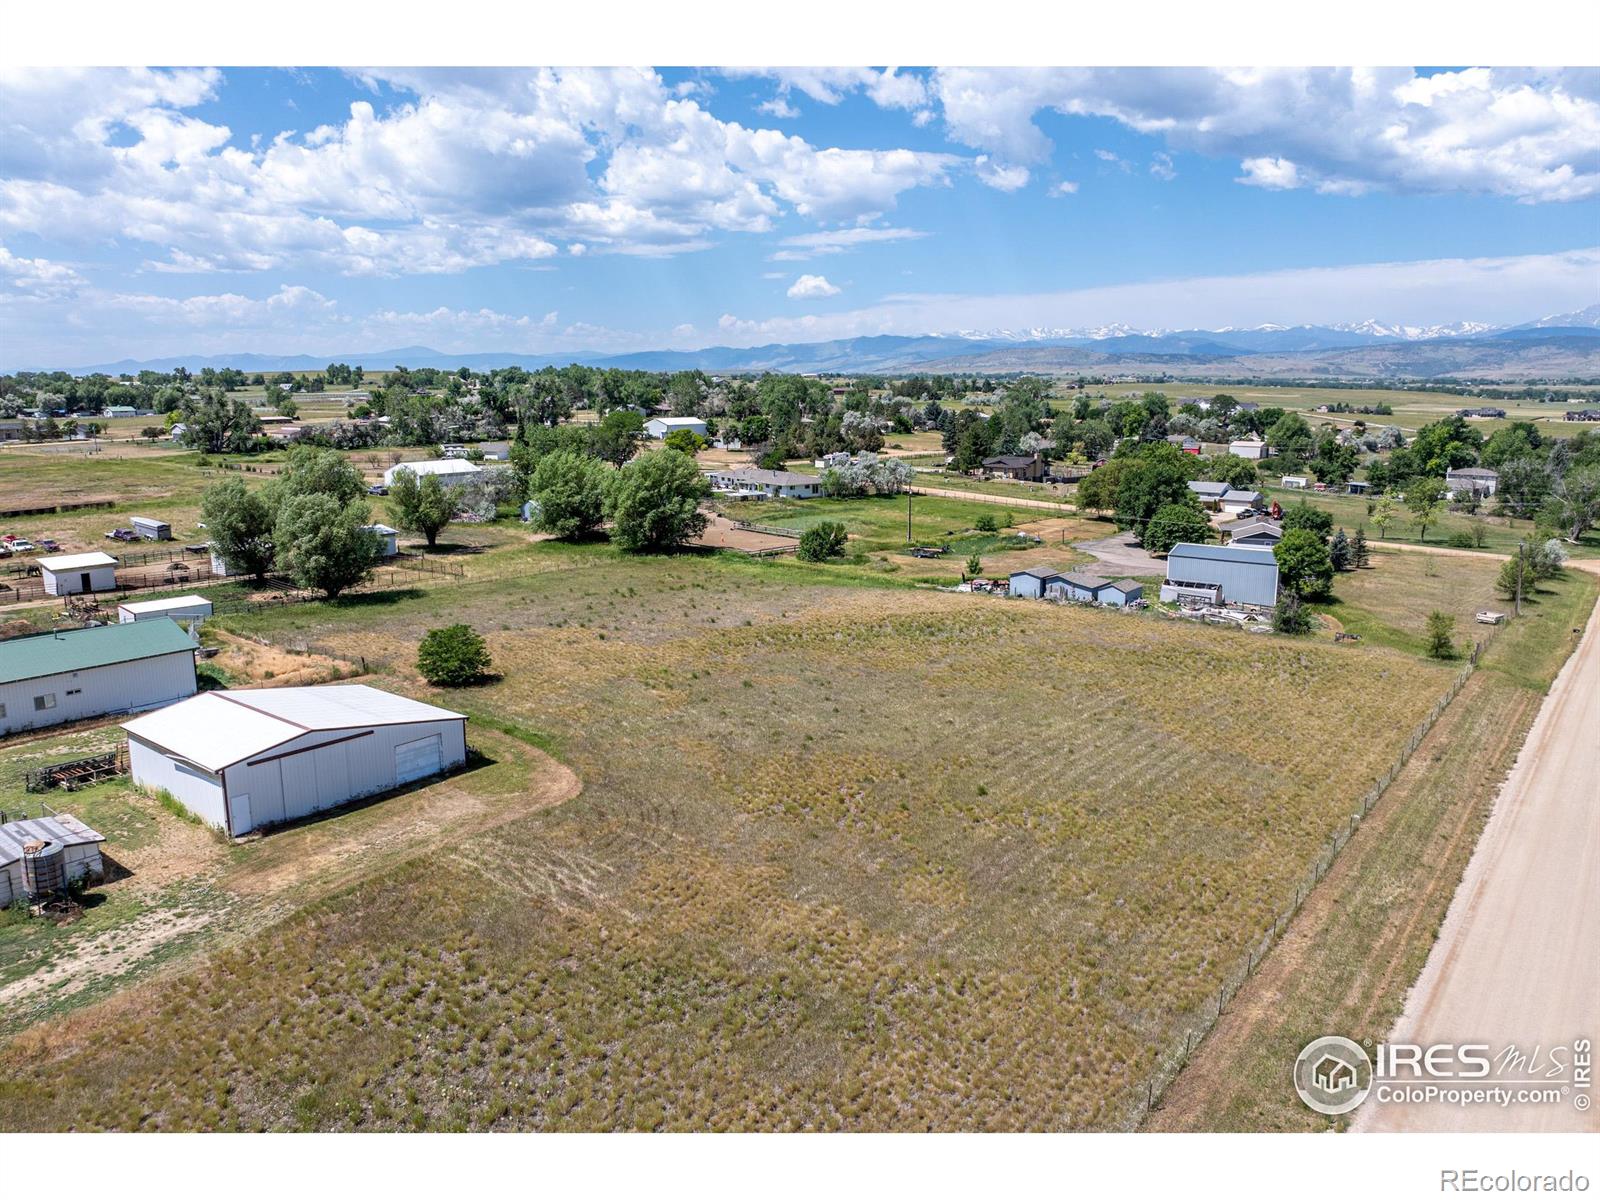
(1516, 960)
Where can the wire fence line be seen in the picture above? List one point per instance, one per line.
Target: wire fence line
(1170, 1062)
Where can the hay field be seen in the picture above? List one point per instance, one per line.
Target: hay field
(857, 858)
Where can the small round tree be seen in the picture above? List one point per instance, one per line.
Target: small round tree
(453, 656)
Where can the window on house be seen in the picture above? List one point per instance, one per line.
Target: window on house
(74, 691)
(41, 703)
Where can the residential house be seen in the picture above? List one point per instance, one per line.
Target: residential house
(1241, 501)
(763, 484)
(1253, 531)
(1016, 466)
(1251, 447)
(1472, 481)
(1209, 491)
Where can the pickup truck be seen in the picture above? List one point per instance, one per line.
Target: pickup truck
(123, 535)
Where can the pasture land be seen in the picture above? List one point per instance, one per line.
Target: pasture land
(845, 857)
(1412, 409)
(1501, 534)
(1348, 959)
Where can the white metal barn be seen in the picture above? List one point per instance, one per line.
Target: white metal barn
(69, 574)
(70, 674)
(46, 853)
(451, 471)
(187, 611)
(241, 760)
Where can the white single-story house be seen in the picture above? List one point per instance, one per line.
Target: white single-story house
(1295, 481)
(69, 574)
(44, 854)
(51, 678)
(187, 611)
(151, 530)
(1239, 501)
(1221, 575)
(451, 471)
(1472, 481)
(243, 759)
(659, 427)
(391, 545)
(113, 411)
(1250, 447)
(755, 481)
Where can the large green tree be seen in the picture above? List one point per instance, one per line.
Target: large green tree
(1304, 565)
(422, 505)
(1425, 500)
(239, 523)
(219, 424)
(569, 490)
(1175, 523)
(316, 471)
(322, 543)
(1158, 475)
(654, 502)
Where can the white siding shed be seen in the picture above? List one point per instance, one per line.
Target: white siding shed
(69, 574)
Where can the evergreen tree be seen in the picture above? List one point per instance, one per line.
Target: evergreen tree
(1340, 553)
(1360, 556)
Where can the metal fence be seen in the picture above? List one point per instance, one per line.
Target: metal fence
(1176, 1056)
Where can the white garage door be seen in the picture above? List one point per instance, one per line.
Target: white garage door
(415, 760)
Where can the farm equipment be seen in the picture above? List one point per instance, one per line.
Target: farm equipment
(927, 551)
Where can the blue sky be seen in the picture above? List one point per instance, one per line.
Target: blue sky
(145, 213)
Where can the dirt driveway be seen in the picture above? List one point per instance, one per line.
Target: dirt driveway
(1515, 962)
(1124, 556)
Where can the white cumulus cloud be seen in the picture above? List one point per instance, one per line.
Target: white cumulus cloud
(811, 287)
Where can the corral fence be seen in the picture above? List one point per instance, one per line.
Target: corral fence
(770, 530)
(16, 590)
(1176, 1056)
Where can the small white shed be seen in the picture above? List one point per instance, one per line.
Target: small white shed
(391, 546)
(69, 574)
(245, 759)
(187, 611)
(151, 530)
(52, 851)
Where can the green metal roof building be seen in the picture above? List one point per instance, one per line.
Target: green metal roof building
(70, 675)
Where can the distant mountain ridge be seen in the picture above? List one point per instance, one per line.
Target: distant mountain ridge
(1563, 344)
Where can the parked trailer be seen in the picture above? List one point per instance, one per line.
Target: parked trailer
(148, 529)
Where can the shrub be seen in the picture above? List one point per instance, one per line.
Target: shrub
(822, 541)
(1440, 628)
(1290, 616)
(986, 524)
(1459, 539)
(453, 656)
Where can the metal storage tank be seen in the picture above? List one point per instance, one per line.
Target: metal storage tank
(44, 868)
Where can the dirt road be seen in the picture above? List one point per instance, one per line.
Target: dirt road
(1515, 962)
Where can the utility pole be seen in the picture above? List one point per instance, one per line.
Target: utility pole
(1519, 576)
(908, 516)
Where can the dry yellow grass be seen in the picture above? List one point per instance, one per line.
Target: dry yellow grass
(874, 860)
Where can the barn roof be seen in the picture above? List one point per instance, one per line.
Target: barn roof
(217, 729)
(1242, 554)
(67, 830)
(43, 654)
(76, 562)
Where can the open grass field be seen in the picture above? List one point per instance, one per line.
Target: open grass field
(1412, 409)
(1501, 534)
(1389, 603)
(845, 857)
(1347, 960)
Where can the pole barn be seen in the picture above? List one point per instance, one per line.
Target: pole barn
(245, 759)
